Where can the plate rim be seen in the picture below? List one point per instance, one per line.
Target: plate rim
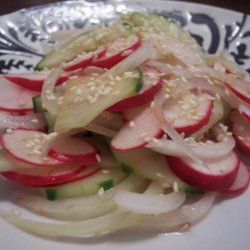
(179, 3)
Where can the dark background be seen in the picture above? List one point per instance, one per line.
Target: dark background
(7, 6)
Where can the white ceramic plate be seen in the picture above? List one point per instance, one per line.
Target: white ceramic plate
(227, 226)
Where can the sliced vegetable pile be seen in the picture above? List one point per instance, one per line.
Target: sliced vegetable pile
(122, 123)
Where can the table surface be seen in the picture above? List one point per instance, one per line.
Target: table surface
(10, 6)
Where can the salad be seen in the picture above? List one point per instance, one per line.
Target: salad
(126, 125)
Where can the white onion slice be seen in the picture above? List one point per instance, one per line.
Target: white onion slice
(180, 219)
(81, 229)
(149, 203)
(76, 209)
(203, 150)
(34, 121)
(49, 99)
(10, 164)
(180, 50)
(99, 129)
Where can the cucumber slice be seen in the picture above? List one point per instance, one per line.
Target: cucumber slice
(86, 42)
(78, 111)
(49, 118)
(150, 165)
(50, 121)
(107, 159)
(84, 187)
(164, 26)
(37, 104)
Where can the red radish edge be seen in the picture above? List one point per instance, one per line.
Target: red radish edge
(196, 124)
(32, 84)
(202, 180)
(14, 98)
(239, 122)
(86, 159)
(237, 92)
(87, 61)
(241, 181)
(109, 62)
(132, 137)
(43, 180)
(7, 143)
(73, 150)
(141, 98)
(86, 172)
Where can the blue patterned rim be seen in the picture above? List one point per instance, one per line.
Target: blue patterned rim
(22, 32)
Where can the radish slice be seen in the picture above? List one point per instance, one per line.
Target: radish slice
(130, 114)
(138, 132)
(31, 121)
(170, 131)
(117, 51)
(26, 146)
(84, 60)
(190, 113)
(203, 84)
(221, 174)
(33, 81)
(241, 89)
(85, 172)
(149, 203)
(14, 98)
(43, 177)
(241, 131)
(244, 110)
(152, 83)
(180, 219)
(241, 181)
(73, 150)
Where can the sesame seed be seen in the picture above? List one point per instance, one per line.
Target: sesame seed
(165, 136)
(217, 96)
(131, 124)
(9, 130)
(159, 175)
(152, 104)
(241, 138)
(155, 140)
(101, 191)
(34, 121)
(78, 91)
(184, 79)
(16, 212)
(118, 78)
(105, 171)
(116, 92)
(165, 185)
(98, 157)
(147, 139)
(176, 187)
(166, 96)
